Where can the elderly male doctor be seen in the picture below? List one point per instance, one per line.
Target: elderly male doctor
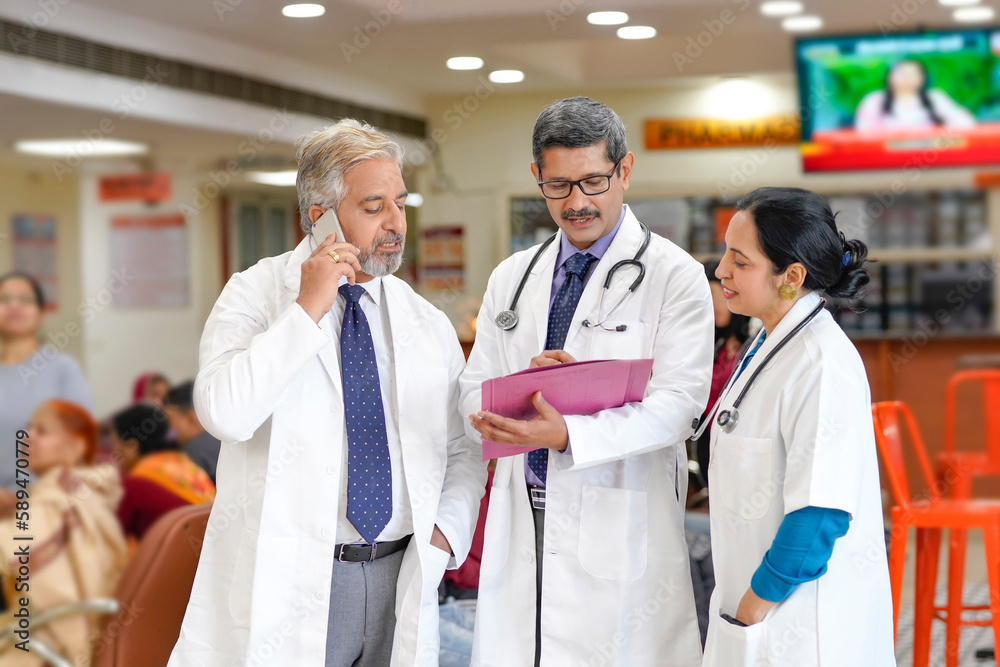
(585, 561)
(346, 483)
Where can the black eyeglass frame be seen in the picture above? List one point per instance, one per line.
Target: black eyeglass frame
(579, 183)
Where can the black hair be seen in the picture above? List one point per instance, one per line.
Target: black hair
(925, 99)
(181, 396)
(578, 122)
(796, 225)
(36, 287)
(738, 327)
(147, 425)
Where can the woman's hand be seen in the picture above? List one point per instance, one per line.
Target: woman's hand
(753, 608)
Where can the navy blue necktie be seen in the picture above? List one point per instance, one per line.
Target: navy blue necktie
(560, 317)
(369, 472)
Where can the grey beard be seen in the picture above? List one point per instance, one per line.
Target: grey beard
(378, 266)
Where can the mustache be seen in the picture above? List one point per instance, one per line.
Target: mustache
(388, 238)
(582, 213)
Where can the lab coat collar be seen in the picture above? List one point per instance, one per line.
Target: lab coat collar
(792, 318)
(293, 268)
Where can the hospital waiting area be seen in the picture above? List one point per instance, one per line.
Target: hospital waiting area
(440, 333)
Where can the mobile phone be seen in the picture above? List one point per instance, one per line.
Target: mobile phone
(325, 224)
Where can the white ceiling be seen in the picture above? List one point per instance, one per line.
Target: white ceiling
(550, 40)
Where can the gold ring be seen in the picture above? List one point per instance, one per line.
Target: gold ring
(333, 254)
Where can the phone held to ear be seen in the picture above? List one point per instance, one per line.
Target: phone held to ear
(325, 225)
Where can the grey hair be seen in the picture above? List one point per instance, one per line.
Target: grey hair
(578, 122)
(326, 154)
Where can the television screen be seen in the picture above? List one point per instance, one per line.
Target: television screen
(900, 101)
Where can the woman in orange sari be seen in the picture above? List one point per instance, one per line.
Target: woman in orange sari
(158, 476)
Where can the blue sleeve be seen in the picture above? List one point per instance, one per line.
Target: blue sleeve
(800, 551)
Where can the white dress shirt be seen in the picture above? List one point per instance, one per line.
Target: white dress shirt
(401, 523)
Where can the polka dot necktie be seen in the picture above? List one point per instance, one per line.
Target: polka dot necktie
(560, 317)
(369, 473)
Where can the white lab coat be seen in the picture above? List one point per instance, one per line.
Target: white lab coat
(804, 437)
(617, 583)
(270, 388)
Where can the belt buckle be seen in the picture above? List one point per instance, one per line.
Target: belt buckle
(374, 547)
(340, 556)
(537, 498)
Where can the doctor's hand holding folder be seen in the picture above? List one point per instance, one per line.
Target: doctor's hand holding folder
(542, 392)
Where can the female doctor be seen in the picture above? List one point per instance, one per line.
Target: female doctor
(797, 533)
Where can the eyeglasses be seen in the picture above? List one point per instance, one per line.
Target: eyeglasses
(592, 185)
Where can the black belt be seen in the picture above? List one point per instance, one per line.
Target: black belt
(366, 553)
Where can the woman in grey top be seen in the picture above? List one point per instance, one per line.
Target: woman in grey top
(30, 373)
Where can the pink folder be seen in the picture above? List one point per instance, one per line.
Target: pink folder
(580, 388)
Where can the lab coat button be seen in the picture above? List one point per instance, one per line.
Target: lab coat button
(326, 533)
(334, 407)
(529, 557)
(331, 470)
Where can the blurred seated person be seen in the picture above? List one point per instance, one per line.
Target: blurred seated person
(158, 476)
(150, 388)
(908, 103)
(200, 445)
(78, 551)
(731, 332)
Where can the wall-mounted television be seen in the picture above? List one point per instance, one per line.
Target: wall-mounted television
(900, 101)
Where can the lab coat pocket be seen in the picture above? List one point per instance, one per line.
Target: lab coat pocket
(745, 475)
(736, 646)
(241, 591)
(613, 533)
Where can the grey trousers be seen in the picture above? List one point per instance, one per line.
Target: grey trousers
(362, 612)
(539, 516)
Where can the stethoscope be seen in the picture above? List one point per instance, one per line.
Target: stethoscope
(729, 419)
(507, 319)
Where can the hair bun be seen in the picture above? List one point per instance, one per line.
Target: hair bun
(853, 275)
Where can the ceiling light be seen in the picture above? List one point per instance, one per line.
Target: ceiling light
(414, 199)
(507, 76)
(781, 8)
(802, 23)
(79, 147)
(282, 179)
(607, 18)
(636, 32)
(973, 14)
(465, 62)
(303, 11)
(958, 3)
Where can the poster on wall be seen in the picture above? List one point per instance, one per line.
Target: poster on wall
(34, 245)
(442, 257)
(152, 251)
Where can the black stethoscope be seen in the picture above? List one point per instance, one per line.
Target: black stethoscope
(507, 319)
(729, 419)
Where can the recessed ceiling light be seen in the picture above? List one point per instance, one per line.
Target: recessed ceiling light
(636, 32)
(507, 76)
(414, 199)
(780, 8)
(79, 147)
(303, 10)
(973, 14)
(465, 62)
(802, 23)
(282, 179)
(958, 3)
(607, 18)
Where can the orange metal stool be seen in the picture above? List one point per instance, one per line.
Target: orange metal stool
(929, 513)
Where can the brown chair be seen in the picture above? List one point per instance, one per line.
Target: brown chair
(154, 592)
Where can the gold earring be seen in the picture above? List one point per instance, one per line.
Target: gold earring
(786, 292)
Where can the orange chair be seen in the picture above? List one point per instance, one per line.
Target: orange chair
(929, 513)
(154, 592)
(956, 470)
